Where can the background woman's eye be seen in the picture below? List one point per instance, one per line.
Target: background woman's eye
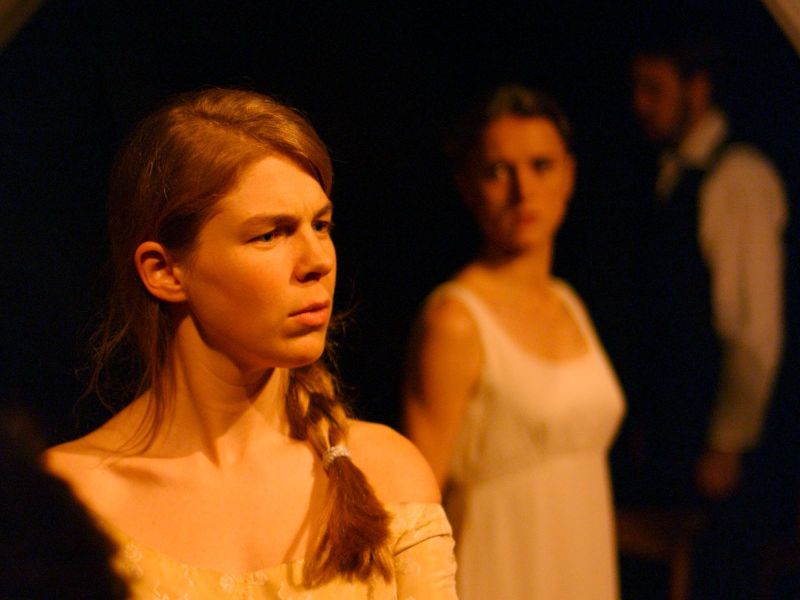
(542, 164)
(497, 170)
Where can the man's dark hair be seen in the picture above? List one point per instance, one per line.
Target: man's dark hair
(689, 45)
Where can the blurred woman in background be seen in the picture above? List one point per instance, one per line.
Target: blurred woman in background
(509, 393)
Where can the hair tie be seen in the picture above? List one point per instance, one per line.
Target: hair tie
(334, 452)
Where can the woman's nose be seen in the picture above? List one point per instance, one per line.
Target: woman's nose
(525, 184)
(316, 255)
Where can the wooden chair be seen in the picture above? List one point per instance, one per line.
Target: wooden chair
(662, 535)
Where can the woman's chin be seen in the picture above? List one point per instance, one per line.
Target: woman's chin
(291, 358)
(302, 361)
(302, 357)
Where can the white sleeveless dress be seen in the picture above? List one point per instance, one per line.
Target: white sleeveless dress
(529, 494)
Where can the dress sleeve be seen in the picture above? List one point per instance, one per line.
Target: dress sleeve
(425, 566)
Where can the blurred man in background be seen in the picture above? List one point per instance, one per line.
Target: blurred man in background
(710, 296)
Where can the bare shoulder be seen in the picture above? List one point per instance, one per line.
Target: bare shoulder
(565, 290)
(445, 341)
(84, 464)
(392, 464)
(447, 320)
(444, 328)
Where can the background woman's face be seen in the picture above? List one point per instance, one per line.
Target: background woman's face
(521, 182)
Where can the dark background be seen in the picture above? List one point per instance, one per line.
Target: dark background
(381, 82)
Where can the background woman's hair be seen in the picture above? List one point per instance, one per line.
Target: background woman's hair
(516, 100)
(164, 186)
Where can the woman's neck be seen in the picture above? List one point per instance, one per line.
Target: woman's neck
(217, 410)
(529, 270)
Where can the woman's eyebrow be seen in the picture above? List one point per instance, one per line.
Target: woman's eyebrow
(277, 218)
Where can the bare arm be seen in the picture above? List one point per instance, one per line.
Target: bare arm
(444, 367)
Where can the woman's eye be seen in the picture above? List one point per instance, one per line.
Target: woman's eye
(497, 170)
(542, 164)
(323, 226)
(268, 236)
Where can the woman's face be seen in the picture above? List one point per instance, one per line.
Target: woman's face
(521, 183)
(259, 283)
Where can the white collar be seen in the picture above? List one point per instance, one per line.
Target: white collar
(703, 138)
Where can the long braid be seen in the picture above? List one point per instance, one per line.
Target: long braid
(354, 526)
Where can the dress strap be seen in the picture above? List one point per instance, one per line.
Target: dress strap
(577, 310)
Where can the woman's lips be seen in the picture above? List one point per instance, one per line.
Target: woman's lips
(313, 315)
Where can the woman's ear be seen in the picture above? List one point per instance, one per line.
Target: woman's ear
(158, 272)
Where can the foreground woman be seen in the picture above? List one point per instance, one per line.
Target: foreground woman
(234, 470)
(510, 395)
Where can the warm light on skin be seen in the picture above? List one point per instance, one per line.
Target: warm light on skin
(521, 183)
(259, 283)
